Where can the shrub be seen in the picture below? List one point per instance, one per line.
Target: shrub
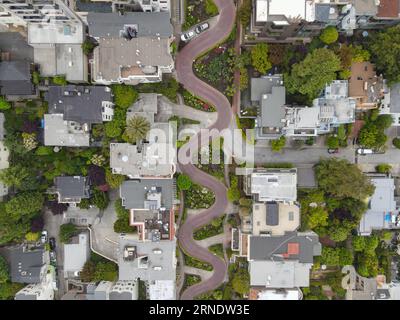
(332, 142)
(329, 35)
(383, 168)
(60, 80)
(67, 231)
(259, 58)
(396, 142)
(210, 8)
(122, 226)
(4, 104)
(100, 199)
(184, 182)
(124, 96)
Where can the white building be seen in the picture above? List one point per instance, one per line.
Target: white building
(75, 255)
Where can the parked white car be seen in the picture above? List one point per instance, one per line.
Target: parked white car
(188, 35)
(43, 238)
(364, 152)
(204, 26)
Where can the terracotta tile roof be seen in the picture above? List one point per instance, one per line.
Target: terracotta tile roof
(388, 9)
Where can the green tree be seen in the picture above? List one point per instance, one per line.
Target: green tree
(383, 168)
(32, 236)
(124, 96)
(122, 226)
(386, 54)
(330, 256)
(184, 182)
(137, 129)
(19, 177)
(341, 133)
(368, 265)
(371, 243)
(241, 282)
(396, 142)
(4, 271)
(370, 136)
(88, 271)
(67, 231)
(245, 13)
(332, 142)
(106, 271)
(259, 58)
(114, 180)
(4, 104)
(113, 129)
(358, 243)
(345, 257)
(338, 232)
(100, 199)
(25, 203)
(278, 144)
(384, 121)
(329, 35)
(210, 8)
(87, 47)
(311, 75)
(341, 179)
(8, 290)
(60, 80)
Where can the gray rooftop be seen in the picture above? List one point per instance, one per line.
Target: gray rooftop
(273, 108)
(58, 132)
(264, 85)
(15, 44)
(134, 192)
(72, 188)
(82, 104)
(27, 266)
(382, 207)
(15, 78)
(153, 260)
(395, 98)
(366, 7)
(105, 25)
(295, 246)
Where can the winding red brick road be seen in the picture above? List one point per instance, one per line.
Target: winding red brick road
(184, 65)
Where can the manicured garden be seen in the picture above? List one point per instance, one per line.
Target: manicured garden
(190, 280)
(195, 263)
(216, 227)
(217, 249)
(198, 197)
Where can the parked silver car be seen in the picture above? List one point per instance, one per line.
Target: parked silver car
(188, 35)
(204, 26)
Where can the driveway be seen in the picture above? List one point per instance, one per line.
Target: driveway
(186, 76)
(52, 225)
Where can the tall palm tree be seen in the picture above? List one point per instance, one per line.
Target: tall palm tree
(137, 129)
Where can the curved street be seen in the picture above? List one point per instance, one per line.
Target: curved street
(184, 65)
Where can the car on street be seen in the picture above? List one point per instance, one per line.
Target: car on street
(43, 237)
(332, 151)
(204, 26)
(188, 35)
(52, 243)
(363, 152)
(53, 256)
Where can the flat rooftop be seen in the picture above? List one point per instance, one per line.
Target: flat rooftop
(290, 9)
(55, 33)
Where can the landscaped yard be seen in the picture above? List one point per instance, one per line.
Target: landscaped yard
(198, 11)
(190, 280)
(193, 262)
(217, 249)
(194, 102)
(199, 197)
(214, 228)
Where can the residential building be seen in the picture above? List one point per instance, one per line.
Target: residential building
(331, 110)
(143, 5)
(365, 86)
(16, 80)
(155, 157)
(271, 184)
(59, 132)
(268, 95)
(21, 13)
(383, 212)
(391, 103)
(260, 293)
(150, 203)
(39, 291)
(282, 261)
(72, 112)
(274, 218)
(76, 253)
(148, 35)
(149, 261)
(71, 189)
(284, 20)
(28, 265)
(104, 290)
(85, 105)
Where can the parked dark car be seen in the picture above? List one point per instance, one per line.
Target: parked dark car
(332, 151)
(52, 243)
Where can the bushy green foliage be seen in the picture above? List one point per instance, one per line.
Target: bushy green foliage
(4, 271)
(311, 75)
(67, 231)
(241, 281)
(114, 180)
(4, 104)
(245, 13)
(199, 197)
(259, 57)
(278, 144)
(214, 228)
(100, 199)
(332, 142)
(329, 35)
(210, 8)
(136, 129)
(60, 80)
(383, 168)
(124, 95)
(342, 179)
(184, 182)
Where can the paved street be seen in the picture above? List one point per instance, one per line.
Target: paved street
(52, 225)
